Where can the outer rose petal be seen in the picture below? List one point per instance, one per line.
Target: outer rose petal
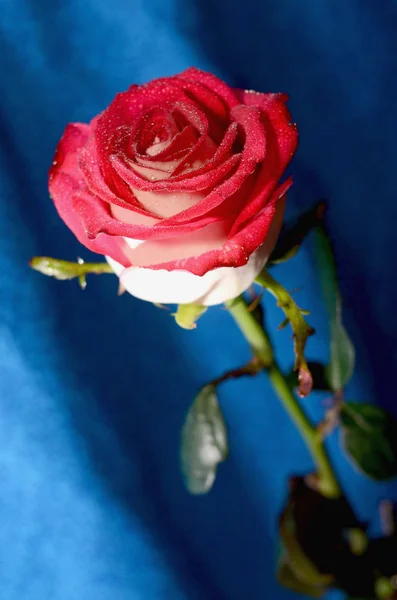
(214, 287)
(213, 83)
(65, 182)
(281, 138)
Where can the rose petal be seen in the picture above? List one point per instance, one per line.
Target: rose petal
(73, 139)
(252, 154)
(88, 216)
(153, 173)
(197, 179)
(195, 243)
(113, 127)
(97, 218)
(182, 287)
(237, 250)
(62, 189)
(89, 166)
(213, 83)
(279, 118)
(222, 152)
(214, 287)
(201, 182)
(200, 154)
(65, 180)
(157, 124)
(177, 148)
(112, 137)
(131, 217)
(168, 204)
(281, 143)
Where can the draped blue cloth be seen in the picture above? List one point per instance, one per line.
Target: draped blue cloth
(94, 388)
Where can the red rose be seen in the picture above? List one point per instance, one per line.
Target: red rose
(177, 183)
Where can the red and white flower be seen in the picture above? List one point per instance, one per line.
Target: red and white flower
(177, 183)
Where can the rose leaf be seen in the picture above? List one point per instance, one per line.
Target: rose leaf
(369, 436)
(341, 365)
(286, 577)
(204, 442)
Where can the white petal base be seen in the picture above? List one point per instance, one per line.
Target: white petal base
(182, 287)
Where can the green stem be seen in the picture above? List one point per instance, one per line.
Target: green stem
(261, 345)
(252, 330)
(313, 438)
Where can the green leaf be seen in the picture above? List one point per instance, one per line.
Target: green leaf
(64, 269)
(369, 435)
(204, 442)
(311, 528)
(287, 578)
(303, 568)
(384, 589)
(341, 366)
(187, 315)
(300, 328)
(313, 532)
(300, 564)
(292, 236)
(358, 541)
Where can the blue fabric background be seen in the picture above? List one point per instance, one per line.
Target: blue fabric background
(94, 388)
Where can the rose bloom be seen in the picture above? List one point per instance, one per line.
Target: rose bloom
(177, 183)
